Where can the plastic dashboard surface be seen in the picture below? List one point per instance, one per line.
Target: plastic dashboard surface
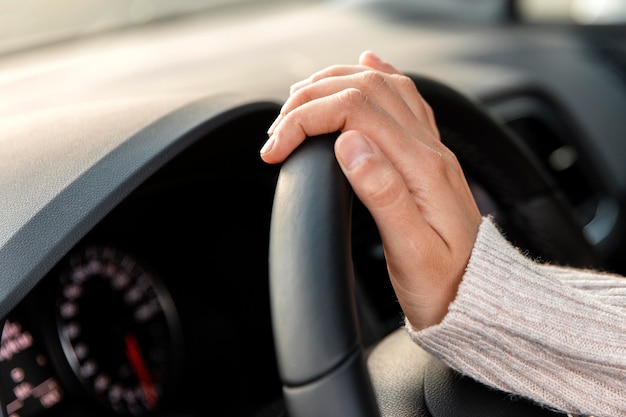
(159, 270)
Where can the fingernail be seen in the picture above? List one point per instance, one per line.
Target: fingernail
(353, 149)
(274, 124)
(375, 56)
(267, 147)
(371, 55)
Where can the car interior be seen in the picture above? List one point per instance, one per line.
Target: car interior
(151, 264)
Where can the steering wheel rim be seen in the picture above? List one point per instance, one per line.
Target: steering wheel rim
(311, 288)
(320, 356)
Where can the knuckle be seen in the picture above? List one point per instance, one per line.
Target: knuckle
(451, 159)
(429, 110)
(405, 83)
(352, 97)
(373, 78)
(447, 155)
(438, 161)
(447, 165)
(301, 97)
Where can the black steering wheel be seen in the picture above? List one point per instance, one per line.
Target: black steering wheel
(320, 356)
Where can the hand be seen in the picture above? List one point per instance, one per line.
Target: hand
(391, 153)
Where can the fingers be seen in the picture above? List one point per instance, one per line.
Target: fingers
(370, 59)
(375, 180)
(332, 71)
(367, 59)
(350, 97)
(388, 90)
(383, 117)
(327, 114)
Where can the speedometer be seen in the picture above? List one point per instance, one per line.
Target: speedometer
(118, 329)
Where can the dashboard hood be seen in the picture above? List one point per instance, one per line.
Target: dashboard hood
(60, 179)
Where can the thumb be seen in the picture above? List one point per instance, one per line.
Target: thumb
(416, 256)
(379, 186)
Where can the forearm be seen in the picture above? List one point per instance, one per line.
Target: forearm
(538, 331)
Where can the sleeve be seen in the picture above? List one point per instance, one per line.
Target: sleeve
(553, 334)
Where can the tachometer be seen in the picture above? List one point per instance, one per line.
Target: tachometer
(118, 329)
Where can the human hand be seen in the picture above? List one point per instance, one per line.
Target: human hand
(391, 153)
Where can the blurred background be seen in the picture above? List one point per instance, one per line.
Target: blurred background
(26, 23)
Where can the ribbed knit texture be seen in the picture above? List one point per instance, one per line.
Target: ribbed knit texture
(552, 334)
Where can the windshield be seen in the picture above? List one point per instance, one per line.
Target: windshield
(27, 23)
(582, 12)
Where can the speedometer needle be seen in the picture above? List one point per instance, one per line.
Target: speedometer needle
(135, 357)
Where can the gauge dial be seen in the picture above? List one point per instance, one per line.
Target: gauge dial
(118, 328)
(27, 383)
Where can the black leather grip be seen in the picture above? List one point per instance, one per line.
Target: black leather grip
(312, 287)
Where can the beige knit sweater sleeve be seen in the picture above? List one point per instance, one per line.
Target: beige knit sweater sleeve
(555, 335)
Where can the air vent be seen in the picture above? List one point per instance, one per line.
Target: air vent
(548, 135)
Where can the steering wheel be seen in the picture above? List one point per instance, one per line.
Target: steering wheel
(320, 356)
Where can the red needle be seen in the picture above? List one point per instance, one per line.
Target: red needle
(133, 352)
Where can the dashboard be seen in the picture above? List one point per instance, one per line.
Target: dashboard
(160, 271)
(134, 244)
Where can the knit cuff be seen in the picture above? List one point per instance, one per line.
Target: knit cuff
(517, 327)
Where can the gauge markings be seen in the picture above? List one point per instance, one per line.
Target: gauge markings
(116, 324)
